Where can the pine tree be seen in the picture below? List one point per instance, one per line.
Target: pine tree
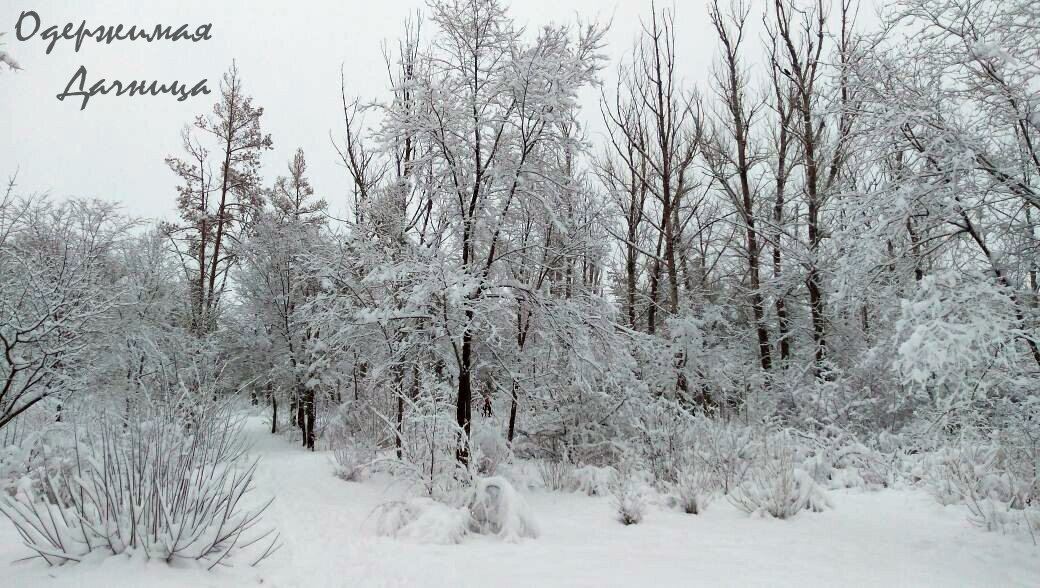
(215, 206)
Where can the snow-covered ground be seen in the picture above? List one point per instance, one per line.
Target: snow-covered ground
(888, 538)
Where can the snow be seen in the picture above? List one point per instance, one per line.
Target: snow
(497, 508)
(423, 520)
(890, 537)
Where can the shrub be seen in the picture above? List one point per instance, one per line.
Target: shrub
(591, 480)
(629, 503)
(662, 431)
(998, 487)
(694, 489)
(356, 419)
(422, 520)
(429, 441)
(392, 516)
(489, 450)
(861, 467)
(352, 462)
(727, 451)
(491, 507)
(39, 454)
(774, 487)
(168, 486)
(556, 475)
(496, 508)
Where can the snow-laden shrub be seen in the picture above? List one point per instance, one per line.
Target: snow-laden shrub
(167, 486)
(629, 503)
(998, 487)
(522, 474)
(557, 475)
(591, 480)
(440, 524)
(356, 420)
(491, 507)
(392, 516)
(695, 489)
(959, 340)
(563, 476)
(496, 508)
(39, 454)
(430, 437)
(814, 497)
(858, 466)
(775, 487)
(662, 433)
(352, 458)
(422, 520)
(13, 460)
(33, 446)
(726, 449)
(489, 450)
(352, 463)
(993, 468)
(847, 463)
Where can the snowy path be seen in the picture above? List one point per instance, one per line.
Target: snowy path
(891, 538)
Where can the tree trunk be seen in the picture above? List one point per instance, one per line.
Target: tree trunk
(274, 415)
(309, 417)
(512, 412)
(465, 394)
(400, 422)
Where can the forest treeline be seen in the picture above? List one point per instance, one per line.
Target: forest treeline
(835, 230)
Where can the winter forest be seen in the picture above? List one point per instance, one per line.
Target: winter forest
(777, 324)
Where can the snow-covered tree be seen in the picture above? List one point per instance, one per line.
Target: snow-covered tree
(55, 297)
(215, 204)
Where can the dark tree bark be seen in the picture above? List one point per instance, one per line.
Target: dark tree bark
(274, 415)
(463, 404)
(739, 116)
(308, 417)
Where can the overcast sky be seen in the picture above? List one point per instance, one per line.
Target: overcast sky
(289, 55)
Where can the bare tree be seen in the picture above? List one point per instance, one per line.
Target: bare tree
(55, 295)
(214, 206)
(731, 153)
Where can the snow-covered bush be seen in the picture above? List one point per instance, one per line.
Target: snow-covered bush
(775, 487)
(695, 489)
(840, 462)
(158, 483)
(497, 509)
(491, 507)
(422, 520)
(958, 339)
(352, 458)
(629, 503)
(489, 450)
(992, 467)
(591, 480)
(771, 488)
(663, 432)
(33, 448)
(727, 450)
(557, 475)
(392, 516)
(352, 463)
(522, 474)
(357, 421)
(429, 440)
(858, 466)
(999, 489)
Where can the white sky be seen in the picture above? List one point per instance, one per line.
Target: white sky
(289, 55)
